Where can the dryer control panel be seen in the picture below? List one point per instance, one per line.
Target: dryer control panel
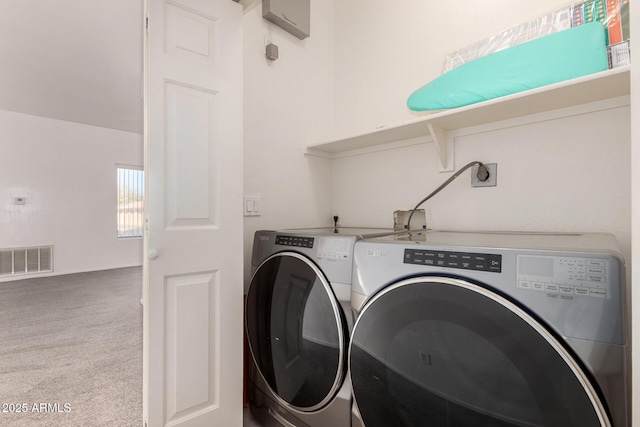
(565, 277)
(334, 248)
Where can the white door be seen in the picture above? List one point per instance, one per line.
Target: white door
(193, 271)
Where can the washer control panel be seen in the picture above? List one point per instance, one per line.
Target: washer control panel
(298, 241)
(450, 259)
(564, 277)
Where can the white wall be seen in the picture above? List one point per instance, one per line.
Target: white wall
(287, 103)
(570, 174)
(66, 171)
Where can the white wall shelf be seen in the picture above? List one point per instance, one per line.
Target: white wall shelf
(583, 90)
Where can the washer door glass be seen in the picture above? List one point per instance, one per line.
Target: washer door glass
(296, 331)
(444, 352)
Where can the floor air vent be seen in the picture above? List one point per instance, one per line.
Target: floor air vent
(26, 260)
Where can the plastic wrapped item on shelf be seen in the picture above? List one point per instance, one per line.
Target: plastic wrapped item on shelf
(610, 13)
(619, 49)
(619, 54)
(606, 12)
(546, 60)
(542, 26)
(614, 15)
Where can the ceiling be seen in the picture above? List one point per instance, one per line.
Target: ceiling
(73, 60)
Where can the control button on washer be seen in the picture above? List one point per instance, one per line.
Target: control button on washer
(595, 270)
(582, 291)
(551, 288)
(595, 263)
(478, 265)
(566, 290)
(494, 263)
(524, 284)
(537, 286)
(599, 279)
(598, 293)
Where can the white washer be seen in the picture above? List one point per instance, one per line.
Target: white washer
(489, 329)
(298, 319)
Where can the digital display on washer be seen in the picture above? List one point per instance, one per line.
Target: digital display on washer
(300, 242)
(461, 260)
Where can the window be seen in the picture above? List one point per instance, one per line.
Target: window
(130, 203)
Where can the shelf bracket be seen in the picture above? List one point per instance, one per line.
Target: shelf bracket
(444, 146)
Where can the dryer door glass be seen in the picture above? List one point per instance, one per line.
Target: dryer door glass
(456, 354)
(296, 331)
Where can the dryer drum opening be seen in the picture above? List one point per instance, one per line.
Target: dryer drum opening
(295, 331)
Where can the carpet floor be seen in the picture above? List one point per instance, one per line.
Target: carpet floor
(71, 350)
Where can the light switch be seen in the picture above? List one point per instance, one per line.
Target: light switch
(251, 205)
(19, 200)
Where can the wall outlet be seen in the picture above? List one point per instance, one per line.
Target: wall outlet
(493, 176)
(334, 214)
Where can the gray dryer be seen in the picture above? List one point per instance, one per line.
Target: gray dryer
(298, 319)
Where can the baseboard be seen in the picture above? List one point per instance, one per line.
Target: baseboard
(60, 273)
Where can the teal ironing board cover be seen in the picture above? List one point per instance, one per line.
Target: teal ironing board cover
(550, 59)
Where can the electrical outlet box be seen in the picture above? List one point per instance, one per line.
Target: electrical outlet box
(418, 220)
(336, 214)
(293, 16)
(492, 181)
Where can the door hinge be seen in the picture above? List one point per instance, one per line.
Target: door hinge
(146, 24)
